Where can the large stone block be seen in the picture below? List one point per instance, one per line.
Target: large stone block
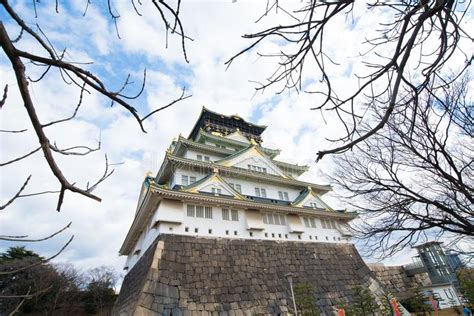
(204, 276)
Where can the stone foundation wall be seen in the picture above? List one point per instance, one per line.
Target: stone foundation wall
(182, 275)
(395, 280)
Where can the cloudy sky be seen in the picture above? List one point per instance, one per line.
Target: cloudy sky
(216, 28)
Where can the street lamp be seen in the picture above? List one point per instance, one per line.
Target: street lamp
(289, 277)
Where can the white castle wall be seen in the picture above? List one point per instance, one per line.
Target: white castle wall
(166, 220)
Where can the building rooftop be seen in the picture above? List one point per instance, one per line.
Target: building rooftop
(214, 122)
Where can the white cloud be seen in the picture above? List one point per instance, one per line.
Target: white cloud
(216, 28)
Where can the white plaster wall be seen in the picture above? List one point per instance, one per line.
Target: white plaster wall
(176, 211)
(446, 293)
(248, 187)
(192, 154)
(257, 161)
(226, 146)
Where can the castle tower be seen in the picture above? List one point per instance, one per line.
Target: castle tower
(222, 223)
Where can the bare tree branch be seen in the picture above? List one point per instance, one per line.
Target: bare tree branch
(23, 238)
(4, 98)
(17, 194)
(39, 262)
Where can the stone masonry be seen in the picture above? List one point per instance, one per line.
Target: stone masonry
(183, 275)
(396, 281)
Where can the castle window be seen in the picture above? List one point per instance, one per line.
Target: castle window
(312, 222)
(299, 236)
(208, 212)
(251, 234)
(220, 146)
(306, 221)
(191, 210)
(283, 196)
(316, 237)
(333, 224)
(257, 168)
(216, 190)
(192, 180)
(266, 234)
(196, 230)
(286, 236)
(279, 235)
(225, 214)
(203, 158)
(327, 238)
(274, 219)
(186, 229)
(261, 192)
(273, 235)
(184, 180)
(199, 211)
(310, 237)
(323, 223)
(235, 215)
(236, 187)
(235, 232)
(210, 231)
(314, 205)
(227, 232)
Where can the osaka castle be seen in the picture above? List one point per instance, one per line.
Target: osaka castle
(224, 226)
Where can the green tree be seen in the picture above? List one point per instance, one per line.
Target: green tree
(466, 281)
(24, 274)
(305, 300)
(363, 304)
(417, 302)
(13, 253)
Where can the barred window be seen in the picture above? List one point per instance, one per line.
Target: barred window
(225, 214)
(312, 222)
(191, 210)
(277, 219)
(306, 221)
(199, 157)
(208, 211)
(184, 180)
(283, 196)
(199, 211)
(270, 219)
(257, 192)
(323, 223)
(238, 188)
(216, 190)
(235, 215)
(274, 219)
(192, 180)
